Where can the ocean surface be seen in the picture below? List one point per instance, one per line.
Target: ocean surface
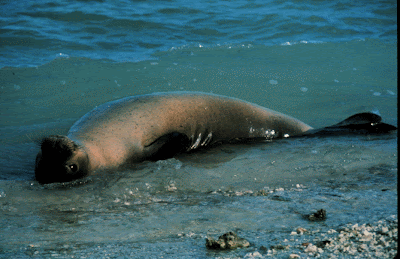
(318, 61)
(36, 32)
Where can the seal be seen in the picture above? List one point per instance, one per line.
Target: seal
(158, 126)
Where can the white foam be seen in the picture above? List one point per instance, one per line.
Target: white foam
(376, 111)
(273, 82)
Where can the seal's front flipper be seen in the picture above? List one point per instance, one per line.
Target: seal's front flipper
(360, 123)
(167, 146)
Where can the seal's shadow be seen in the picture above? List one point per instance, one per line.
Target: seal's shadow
(212, 157)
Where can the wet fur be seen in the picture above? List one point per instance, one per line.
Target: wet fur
(58, 147)
(60, 160)
(158, 126)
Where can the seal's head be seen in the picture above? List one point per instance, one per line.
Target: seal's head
(60, 160)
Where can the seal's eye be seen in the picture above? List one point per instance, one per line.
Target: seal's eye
(73, 168)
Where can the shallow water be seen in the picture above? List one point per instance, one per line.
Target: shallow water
(167, 208)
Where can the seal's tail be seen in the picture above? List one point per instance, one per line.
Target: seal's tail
(360, 123)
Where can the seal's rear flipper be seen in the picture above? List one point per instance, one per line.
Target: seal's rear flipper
(360, 123)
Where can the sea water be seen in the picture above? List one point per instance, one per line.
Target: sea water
(319, 61)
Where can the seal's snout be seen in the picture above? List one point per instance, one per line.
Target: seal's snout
(60, 160)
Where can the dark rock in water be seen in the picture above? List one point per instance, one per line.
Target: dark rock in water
(317, 216)
(280, 198)
(280, 247)
(227, 241)
(261, 193)
(323, 243)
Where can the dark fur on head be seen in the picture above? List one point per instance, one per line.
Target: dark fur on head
(57, 146)
(60, 160)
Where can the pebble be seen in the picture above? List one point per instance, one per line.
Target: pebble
(300, 231)
(365, 241)
(253, 255)
(384, 230)
(311, 248)
(374, 240)
(227, 241)
(331, 231)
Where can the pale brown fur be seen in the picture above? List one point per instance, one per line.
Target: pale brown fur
(129, 129)
(120, 130)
